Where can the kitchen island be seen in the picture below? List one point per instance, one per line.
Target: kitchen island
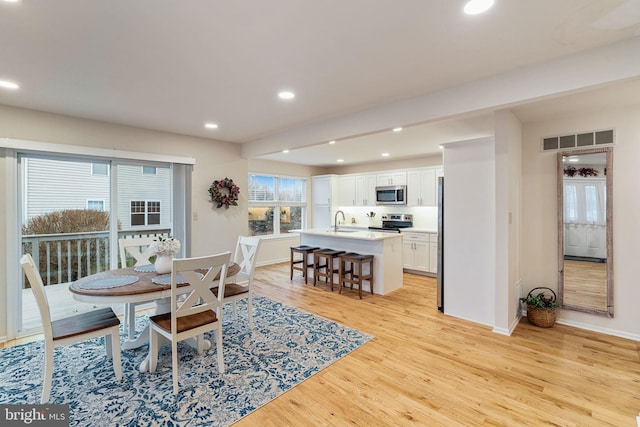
(385, 247)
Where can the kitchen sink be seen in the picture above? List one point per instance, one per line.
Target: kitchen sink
(341, 230)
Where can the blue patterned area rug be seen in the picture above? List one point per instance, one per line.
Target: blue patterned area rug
(286, 347)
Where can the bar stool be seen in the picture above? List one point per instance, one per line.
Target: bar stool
(328, 269)
(355, 274)
(304, 251)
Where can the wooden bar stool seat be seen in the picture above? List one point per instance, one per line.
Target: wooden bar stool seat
(304, 251)
(324, 265)
(351, 270)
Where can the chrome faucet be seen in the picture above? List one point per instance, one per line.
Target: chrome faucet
(335, 219)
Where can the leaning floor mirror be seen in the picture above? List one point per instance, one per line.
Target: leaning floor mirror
(585, 224)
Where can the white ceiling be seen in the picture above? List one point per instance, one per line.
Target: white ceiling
(174, 65)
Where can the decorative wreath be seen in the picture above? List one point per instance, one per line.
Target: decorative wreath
(585, 172)
(224, 193)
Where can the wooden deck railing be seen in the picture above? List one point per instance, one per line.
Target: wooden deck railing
(67, 257)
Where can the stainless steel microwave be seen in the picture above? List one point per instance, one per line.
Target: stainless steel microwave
(391, 195)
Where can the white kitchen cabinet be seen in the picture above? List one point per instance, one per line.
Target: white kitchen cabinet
(324, 194)
(415, 251)
(433, 253)
(324, 189)
(357, 190)
(366, 190)
(347, 193)
(420, 252)
(392, 178)
(421, 187)
(321, 216)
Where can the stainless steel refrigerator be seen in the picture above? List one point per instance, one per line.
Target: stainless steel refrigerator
(440, 292)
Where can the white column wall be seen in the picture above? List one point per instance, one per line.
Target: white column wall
(469, 230)
(508, 140)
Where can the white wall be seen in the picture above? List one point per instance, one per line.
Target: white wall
(539, 210)
(508, 139)
(469, 230)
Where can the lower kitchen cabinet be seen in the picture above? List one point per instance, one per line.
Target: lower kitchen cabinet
(420, 251)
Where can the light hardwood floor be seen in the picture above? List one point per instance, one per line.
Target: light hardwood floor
(425, 368)
(428, 369)
(585, 284)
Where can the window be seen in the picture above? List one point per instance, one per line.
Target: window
(145, 212)
(153, 213)
(149, 170)
(276, 204)
(95, 205)
(99, 169)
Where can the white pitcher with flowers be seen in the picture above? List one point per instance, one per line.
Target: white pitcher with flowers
(164, 248)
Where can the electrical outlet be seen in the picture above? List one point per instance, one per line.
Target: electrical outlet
(195, 216)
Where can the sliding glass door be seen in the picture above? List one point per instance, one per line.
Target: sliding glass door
(73, 210)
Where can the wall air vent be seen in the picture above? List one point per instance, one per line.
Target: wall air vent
(578, 140)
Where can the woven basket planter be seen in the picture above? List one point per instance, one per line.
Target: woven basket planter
(545, 318)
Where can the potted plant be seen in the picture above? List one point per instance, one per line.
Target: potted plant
(541, 308)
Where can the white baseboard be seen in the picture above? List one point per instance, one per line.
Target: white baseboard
(512, 327)
(4, 338)
(606, 331)
(502, 331)
(271, 261)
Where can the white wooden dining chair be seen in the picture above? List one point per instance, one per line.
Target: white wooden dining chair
(139, 249)
(199, 312)
(245, 256)
(71, 330)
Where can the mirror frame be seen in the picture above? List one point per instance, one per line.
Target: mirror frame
(609, 229)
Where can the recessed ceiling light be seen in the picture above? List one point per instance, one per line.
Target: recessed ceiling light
(397, 129)
(573, 159)
(211, 126)
(285, 151)
(286, 95)
(332, 142)
(12, 1)
(441, 147)
(474, 7)
(385, 154)
(340, 160)
(8, 85)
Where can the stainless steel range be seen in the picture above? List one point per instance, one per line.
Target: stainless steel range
(393, 223)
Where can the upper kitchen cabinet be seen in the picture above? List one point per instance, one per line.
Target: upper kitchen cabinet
(392, 178)
(324, 189)
(366, 189)
(347, 193)
(421, 187)
(357, 190)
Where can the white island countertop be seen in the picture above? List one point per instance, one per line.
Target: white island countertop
(350, 233)
(385, 247)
